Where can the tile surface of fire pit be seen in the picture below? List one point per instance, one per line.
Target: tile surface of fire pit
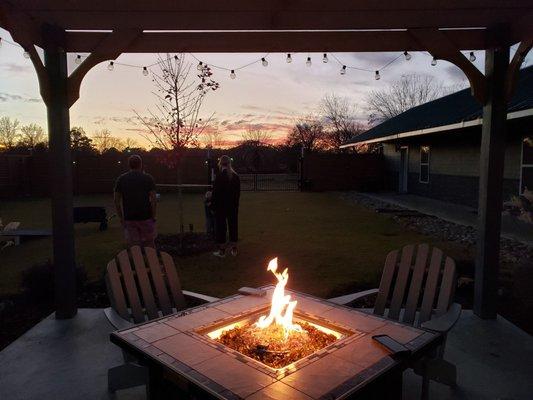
(186, 345)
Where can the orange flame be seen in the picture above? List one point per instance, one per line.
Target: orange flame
(282, 308)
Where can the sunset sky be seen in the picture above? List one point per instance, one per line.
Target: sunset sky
(269, 98)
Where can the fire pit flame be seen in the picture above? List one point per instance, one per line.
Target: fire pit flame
(282, 308)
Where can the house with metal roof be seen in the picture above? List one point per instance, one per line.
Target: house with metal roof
(434, 149)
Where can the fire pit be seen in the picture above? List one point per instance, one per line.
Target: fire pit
(281, 337)
(284, 345)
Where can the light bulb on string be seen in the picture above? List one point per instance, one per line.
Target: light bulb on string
(308, 62)
(377, 77)
(145, 71)
(407, 55)
(343, 70)
(289, 58)
(264, 62)
(111, 66)
(232, 74)
(175, 57)
(433, 62)
(200, 66)
(78, 59)
(26, 54)
(325, 58)
(472, 56)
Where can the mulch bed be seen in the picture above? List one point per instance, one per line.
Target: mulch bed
(189, 244)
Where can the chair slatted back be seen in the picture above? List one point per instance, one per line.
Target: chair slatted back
(11, 226)
(412, 281)
(141, 285)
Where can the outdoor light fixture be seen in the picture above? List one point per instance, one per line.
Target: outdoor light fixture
(200, 66)
(407, 55)
(325, 58)
(264, 62)
(472, 56)
(145, 71)
(78, 59)
(232, 74)
(343, 70)
(377, 77)
(26, 54)
(433, 62)
(111, 65)
(289, 59)
(308, 62)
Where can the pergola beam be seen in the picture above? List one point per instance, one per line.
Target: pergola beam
(442, 47)
(109, 48)
(235, 42)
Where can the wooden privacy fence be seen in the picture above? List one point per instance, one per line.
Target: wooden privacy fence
(326, 171)
(28, 176)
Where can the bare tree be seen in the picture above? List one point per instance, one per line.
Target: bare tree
(31, 135)
(130, 143)
(308, 132)
(213, 137)
(254, 135)
(175, 124)
(407, 92)
(340, 115)
(79, 141)
(8, 132)
(104, 140)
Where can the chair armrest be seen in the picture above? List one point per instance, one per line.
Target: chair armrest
(446, 321)
(116, 320)
(349, 298)
(199, 296)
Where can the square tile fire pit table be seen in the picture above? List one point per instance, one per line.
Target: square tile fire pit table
(180, 348)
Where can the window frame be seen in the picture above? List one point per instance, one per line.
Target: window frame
(522, 165)
(424, 164)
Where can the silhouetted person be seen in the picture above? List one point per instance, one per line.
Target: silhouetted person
(225, 200)
(135, 202)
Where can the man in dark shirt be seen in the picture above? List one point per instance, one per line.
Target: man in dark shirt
(135, 201)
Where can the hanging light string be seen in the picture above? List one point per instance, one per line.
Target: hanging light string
(263, 60)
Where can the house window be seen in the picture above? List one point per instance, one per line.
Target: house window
(527, 165)
(424, 164)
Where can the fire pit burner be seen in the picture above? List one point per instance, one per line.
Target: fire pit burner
(271, 347)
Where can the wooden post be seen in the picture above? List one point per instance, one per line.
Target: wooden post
(490, 184)
(55, 60)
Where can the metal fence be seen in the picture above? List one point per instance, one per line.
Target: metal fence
(270, 182)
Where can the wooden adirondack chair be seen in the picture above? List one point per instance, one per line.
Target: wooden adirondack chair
(136, 271)
(408, 292)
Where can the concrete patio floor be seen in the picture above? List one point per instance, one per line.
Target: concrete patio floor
(69, 360)
(512, 228)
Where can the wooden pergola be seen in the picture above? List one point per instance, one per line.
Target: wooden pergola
(105, 29)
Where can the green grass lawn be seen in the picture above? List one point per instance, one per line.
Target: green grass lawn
(330, 245)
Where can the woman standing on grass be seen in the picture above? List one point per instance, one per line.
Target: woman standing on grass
(225, 200)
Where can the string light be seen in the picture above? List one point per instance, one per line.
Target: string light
(472, 56)
(376, 76)
(262, 60)
(175, 57)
